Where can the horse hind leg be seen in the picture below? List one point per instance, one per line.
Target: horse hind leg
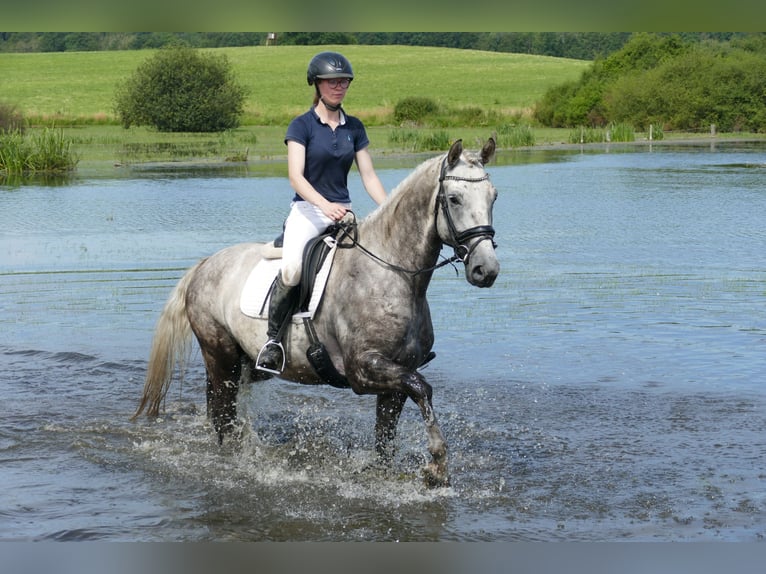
(224, 368)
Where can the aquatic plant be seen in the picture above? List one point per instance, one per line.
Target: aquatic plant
(419, 140)
(515, 135)
(43, 151)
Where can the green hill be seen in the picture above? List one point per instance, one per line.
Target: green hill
(78, 87)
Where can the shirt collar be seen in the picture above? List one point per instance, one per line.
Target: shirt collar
(342, 116)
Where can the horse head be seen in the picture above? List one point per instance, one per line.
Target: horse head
(464, 211)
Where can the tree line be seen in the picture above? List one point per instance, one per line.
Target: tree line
(665, 81)
(577, 45)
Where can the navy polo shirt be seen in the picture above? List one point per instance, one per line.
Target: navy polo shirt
(329, 154)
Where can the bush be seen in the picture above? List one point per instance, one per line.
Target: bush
(181, 90)
(414, 109)
(583, 102)
(660, 80)
(11, 119)
(695, 90)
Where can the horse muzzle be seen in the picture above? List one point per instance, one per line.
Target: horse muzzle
(481, 264)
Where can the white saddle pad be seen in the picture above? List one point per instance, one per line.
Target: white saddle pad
(255, 294)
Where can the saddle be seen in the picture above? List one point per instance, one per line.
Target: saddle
(314, 255)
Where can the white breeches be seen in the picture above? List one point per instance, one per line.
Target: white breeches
(303, 224)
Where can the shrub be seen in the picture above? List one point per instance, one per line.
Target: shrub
(414, 109)
(181, 90)
(583, 102)
(11, 119)
(704, 86)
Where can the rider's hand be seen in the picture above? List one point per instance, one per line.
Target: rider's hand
(334, 211)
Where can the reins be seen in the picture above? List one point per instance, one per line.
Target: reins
(462, 252)
(349, 230)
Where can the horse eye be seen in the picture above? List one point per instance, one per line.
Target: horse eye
(454, 200)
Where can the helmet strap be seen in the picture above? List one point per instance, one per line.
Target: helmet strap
(331, 107)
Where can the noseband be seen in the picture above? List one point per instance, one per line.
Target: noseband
(459, 239)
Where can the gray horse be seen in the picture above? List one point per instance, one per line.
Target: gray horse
(374, 320)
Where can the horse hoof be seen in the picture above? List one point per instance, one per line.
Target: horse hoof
(434, 477)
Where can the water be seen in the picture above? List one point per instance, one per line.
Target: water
(610, 386)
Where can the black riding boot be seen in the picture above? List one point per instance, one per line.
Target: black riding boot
(281, 305)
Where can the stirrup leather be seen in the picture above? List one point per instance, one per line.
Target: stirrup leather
(271, 343)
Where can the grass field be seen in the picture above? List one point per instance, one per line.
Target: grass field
(79, 86)
(75, 91)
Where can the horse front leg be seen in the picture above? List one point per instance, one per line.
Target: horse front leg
(372, 373)
(435, 473)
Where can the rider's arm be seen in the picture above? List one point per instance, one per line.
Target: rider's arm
(370, 179)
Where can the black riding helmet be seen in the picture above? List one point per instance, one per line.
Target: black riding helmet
(328, 65)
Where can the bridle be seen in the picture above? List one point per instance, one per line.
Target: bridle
(458, 239)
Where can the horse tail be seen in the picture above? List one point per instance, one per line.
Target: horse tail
(171, 345)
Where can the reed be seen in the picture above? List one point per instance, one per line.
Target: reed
(417, 140)
(515, 135)
(585, 135)
(43, 151)
(621, 132)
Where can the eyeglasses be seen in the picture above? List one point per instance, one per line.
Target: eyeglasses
(342, 82)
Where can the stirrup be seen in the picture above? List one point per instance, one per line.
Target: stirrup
(271, 343)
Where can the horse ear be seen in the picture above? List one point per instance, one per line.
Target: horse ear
(488, 151)
(454, 152)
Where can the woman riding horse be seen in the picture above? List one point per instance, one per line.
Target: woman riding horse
(374, 317)
(321, 146)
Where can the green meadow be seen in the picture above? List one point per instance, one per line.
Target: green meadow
(479, 92)
(79, 86)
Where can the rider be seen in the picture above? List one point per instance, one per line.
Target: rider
(321, 146)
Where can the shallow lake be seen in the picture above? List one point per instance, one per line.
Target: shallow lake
(609, 386)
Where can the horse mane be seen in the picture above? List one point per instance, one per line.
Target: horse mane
(417, 182)
(412, 184)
